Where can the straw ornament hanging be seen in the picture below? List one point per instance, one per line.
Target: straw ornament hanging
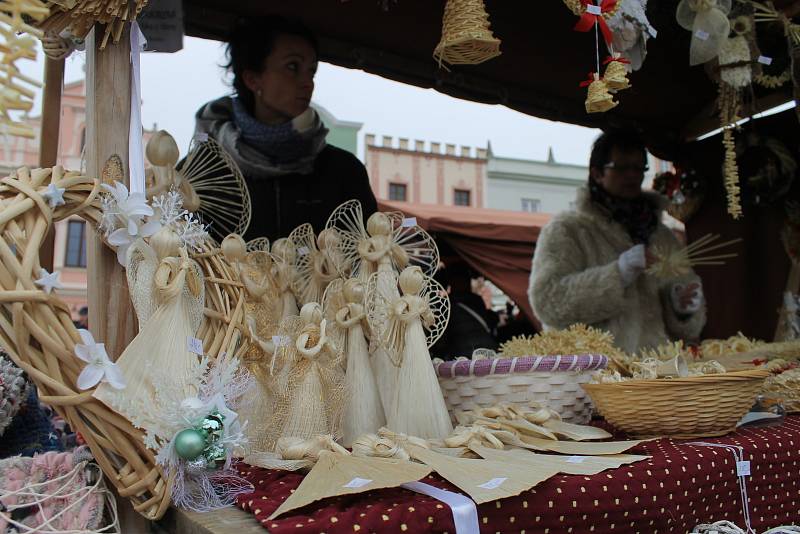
(466, 36)
(598, 98)
(616, 73)
(79, 16)
(594, 14)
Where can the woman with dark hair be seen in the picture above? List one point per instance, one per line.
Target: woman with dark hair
(273, 134)
(589, 263)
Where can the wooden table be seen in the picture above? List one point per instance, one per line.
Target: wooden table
(230, 520)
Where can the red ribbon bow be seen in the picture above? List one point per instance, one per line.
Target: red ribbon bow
(588, 81)
(619, 59)
(588, 20)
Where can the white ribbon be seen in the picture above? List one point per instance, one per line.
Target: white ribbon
(135, 148)
(465, 513)
(738, 454)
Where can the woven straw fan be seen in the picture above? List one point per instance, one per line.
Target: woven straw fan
(675, 262)
(466, 36)
(337, 473)
(208, 178)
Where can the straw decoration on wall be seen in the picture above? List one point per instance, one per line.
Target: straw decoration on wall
(467, 38)
(17, 41)
(80, 16)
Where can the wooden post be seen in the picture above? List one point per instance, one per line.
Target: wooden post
(49, 136)
(108, 109)
(108, 102)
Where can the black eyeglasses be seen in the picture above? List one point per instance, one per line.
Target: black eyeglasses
(641, 169)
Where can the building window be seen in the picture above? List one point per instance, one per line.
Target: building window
(461, 197)
(76, 244)
(532, 205)
(397, 192)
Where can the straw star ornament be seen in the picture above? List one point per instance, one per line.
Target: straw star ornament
(48, 281)
(54, 195)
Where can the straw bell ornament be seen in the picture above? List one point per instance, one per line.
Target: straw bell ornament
(616, 74)
(466, 36)
(599, 99)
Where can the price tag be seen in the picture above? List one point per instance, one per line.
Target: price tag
(409, 222)
(652, 31)
(765, 60)
(357, 483)
(494, 483)
(201, 137)
(576, 459)
(743, 468)
(702, 35)
(594, 10)
(194, 345)
(303, 251)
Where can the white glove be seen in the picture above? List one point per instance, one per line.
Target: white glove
(631, 264)
(690, 305)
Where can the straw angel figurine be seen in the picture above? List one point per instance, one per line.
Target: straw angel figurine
(162, 347)
(284, 253)
(310, 391)
(407, 326)
(388, 244)
(344, 305)
(318, 262)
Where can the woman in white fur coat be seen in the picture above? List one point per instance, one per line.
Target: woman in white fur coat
(589, 262)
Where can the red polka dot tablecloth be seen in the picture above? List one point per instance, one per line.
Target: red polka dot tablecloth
(680, 486)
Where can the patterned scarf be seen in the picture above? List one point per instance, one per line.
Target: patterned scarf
(639, 216)
(282, 144)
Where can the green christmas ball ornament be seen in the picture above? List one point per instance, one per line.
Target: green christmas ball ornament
(189, 444)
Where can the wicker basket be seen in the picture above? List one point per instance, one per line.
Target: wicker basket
(551, 380)
(700, 406)
(37, 331)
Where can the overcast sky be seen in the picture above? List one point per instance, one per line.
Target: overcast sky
(174, 86)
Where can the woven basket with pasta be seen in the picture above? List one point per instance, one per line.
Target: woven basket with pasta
(37, 331)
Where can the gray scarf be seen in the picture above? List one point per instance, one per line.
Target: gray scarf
(261, 150)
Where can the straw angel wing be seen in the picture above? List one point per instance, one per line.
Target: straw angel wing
(419, 247)
(213, 187)
(259, 243)
(141, 268)
(348, 221)
(284, 253)
(385, 312)
(332, 301)
(315, 262)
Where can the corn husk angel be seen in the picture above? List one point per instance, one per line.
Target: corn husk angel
(161, 347)
(388, 244)
(406, 326)
(262, 316)
(317, 263)
(309, 379)
(284, 272)
(344, 308)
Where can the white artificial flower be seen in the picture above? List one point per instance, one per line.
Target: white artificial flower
(99, 367)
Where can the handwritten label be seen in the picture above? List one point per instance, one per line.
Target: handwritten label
(764, 60)
(357, 483)
(594, 10)
(194, 345)
(576, 459)
(409, 222)
(493, 484)
(281, 341)
(303, 251)
(201, 137)
(743, 468)
(702, 35)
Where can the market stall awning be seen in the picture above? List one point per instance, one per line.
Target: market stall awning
(497, 244)
(542, 62)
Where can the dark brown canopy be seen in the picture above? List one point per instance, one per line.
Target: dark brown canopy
(542, 60)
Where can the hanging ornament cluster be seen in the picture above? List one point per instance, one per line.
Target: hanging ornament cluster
(80, 16)
(600, 90)
(17, 42)
(467, 38)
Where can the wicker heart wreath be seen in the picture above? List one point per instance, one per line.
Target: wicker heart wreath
(37, 331)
